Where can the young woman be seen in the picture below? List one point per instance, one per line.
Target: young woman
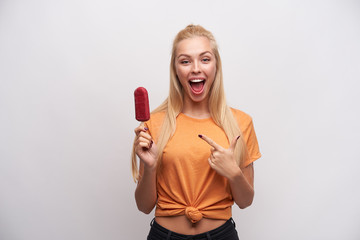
(196, 153)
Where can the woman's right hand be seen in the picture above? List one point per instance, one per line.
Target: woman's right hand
(145, 148)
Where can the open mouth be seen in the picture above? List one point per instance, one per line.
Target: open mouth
(197, 85)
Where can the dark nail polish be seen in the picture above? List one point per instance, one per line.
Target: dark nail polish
(238, 138)
(200, 136)
(146, 129)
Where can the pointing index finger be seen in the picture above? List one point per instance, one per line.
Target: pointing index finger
(210, 142)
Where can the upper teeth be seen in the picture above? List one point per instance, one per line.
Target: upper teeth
(196, 80)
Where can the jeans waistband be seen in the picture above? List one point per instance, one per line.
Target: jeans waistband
(229, 225)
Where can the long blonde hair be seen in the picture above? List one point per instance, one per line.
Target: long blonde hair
(172, 106)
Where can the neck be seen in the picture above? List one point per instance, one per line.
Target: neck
(196, 109)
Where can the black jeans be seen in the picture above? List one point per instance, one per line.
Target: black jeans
(226, 231)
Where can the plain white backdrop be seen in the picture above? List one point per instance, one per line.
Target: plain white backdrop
(68, 70)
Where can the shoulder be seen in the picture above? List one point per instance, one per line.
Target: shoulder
(157, 116)
(155, 122)
(156, 119)
(243, 119)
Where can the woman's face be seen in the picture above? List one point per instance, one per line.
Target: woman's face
(195, 66)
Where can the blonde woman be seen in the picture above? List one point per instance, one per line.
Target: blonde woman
(196, 153)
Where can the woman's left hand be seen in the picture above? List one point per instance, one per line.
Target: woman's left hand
(222, 160)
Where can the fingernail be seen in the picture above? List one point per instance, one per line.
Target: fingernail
(238, 138)
(151, 143)
(200, 136)
(146, 129)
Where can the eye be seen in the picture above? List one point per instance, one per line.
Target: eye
(206, 59)
(184, 61)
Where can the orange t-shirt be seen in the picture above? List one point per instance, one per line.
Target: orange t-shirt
(186, 183)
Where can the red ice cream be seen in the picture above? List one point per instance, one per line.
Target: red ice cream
(142, 111)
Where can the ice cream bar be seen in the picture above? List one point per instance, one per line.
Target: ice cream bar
(142, 111)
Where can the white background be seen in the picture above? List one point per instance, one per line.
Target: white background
(68, 70)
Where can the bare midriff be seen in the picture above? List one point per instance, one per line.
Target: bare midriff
(182, 225)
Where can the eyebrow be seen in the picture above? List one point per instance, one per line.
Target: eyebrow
(203, 53)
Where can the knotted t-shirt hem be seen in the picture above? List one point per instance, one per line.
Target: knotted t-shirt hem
(194, 215)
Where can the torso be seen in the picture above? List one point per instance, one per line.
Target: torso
(182, 225)
(177, 189)
(186, 184)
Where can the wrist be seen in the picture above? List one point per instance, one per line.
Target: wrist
(235, 174)
(150, 167)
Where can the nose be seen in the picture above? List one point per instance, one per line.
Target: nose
(196, 67)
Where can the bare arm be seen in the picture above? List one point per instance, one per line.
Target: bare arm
(146, 150)
(242, 186)
(145, 193)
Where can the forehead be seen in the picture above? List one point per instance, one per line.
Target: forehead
(193, 46)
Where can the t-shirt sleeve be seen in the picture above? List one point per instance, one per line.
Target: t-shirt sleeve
(253, 151)
(247, 128)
